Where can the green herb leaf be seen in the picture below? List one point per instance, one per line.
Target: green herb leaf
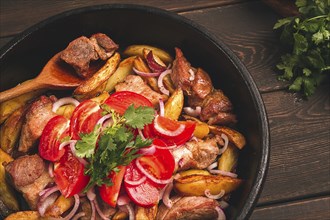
(138, 117)
(85, 147)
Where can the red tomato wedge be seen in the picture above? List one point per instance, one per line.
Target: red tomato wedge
(144, 194)
(84, 118)
(69, 174)
(170, 131)
(109, 194)
(55, 130)
(120, 101)
(158, 167)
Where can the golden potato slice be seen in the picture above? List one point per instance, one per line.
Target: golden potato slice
(124, 69)
(201, 130)
(100, 77)
(11, 129)
(24, 215)
(173, 106)
(137, 50)
(140, 65)
(9, 106)
(234, 136)
(229, 158)
(195, 185)
(120, 215)
(146, 213)
(66, 110)
(60, 206)
(194, 172)
(7, 195)
(101, 98)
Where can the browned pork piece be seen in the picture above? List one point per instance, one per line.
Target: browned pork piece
(29, 175)
(136, 84)
(198, 154)
(192, 207)
(81, 51)
(36, 118)
(197, 85)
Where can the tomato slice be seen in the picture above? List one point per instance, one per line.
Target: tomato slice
(120, 101)
(159, 166)
(170, 131)
(55, 130)
(69, 174)
(84, 118)
(145, 194)
(109, 194)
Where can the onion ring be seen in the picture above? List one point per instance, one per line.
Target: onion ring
(166, 196)
(193, 112)
(145, 74)
(224, 148)
(224, 173)
(214, 196)
(160, 82)
(161, 107)
(64, 101)
(74, 209)
(221, 214)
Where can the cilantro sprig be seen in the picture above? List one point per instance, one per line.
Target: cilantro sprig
(308, 38)
(116, 144)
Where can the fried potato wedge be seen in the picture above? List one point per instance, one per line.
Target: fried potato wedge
(195, 185)
(66, 110)
(193, 172)
(137, 50)
(99, 78)
(24, 215)
(101, 98)
(146, 213)
(201, 130)
(11, 129)
(229, 158)
(173, 106)
(120, 215)
(124, 69)
(7, 195)
(60, 206)
(140, 65)
(9, 106)
(234, 136)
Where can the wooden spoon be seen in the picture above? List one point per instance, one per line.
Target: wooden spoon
(54, 75)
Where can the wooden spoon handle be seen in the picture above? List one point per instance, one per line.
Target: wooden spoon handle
(21, 89)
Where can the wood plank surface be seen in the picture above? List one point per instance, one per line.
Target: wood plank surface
(298, 180)
(308, 209)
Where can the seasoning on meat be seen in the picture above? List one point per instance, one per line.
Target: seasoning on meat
(29, 176)
(136, 84)
(192, 207)
(81, 51)
(37, 116)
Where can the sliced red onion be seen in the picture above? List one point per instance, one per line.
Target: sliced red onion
(153, 64)
(74, 209)
(166, 196)
(161, 130)
(137, 182)
(65, 143)
(224, 148)
(221, 214)
(149, 176)
(64, 101)
(45, 203)
(224, 173)
(192, 75)
(99, 211)
(223, 204)
(103, 119)
(193, 112)
(214, 196)
(91, 194)
(123, 200)
(51, 169)
(167, 147)
(93, 215)
(160, 81)
(46, 192)
(161, 107)
(130, 210)
(144, 74)
(141, 134)
(148, 150)
(212, 166)
(78, 216)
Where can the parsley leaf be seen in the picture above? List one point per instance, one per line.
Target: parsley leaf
(138, 117)
(86, 145)
(307, 38)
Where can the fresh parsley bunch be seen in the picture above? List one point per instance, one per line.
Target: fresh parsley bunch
(308, 37)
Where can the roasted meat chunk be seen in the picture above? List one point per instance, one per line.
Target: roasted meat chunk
(198, 154)
(29, 175)
(136, 84)
(36, 118)
(103, 45)
(192, 207)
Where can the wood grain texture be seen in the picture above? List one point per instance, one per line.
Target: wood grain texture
(17, 15)
(318, 208)
(300, 140)
(248, 30)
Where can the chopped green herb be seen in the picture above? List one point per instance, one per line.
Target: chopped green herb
(308, 38)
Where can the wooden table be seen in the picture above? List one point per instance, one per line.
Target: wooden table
(298, 181)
